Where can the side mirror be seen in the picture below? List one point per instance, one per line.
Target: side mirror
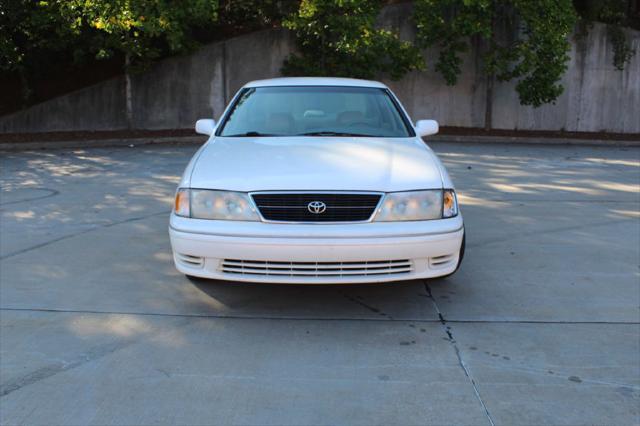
(427, 127)
(205, 126)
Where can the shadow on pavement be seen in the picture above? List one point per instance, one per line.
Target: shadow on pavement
(396, 300)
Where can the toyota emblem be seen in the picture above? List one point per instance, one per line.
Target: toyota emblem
(316, 207)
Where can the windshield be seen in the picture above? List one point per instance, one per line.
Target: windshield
(315, 111)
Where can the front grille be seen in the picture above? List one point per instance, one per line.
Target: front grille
(293, 207)
(316, 269)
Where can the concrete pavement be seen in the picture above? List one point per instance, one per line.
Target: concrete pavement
(541, 325)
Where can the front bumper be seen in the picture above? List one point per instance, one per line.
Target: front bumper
(315, 253)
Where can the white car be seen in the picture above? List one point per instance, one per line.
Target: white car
(313, 181)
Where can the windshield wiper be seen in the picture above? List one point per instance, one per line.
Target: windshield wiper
(329, 133)
(248, 134)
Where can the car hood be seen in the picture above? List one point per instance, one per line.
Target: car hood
(316, 163)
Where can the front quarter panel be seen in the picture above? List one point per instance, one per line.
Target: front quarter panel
(446, 179)
(185, 180)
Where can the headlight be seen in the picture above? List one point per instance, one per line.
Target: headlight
(220, 205)
(418, 205)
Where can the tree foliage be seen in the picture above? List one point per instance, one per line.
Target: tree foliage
(339, 38)
(521, 40)
(614, 13)
(37, 34)
(246, 15)
(30, 29)
(142, 30)
(532, 48)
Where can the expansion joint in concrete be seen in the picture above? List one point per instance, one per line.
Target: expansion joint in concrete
(447, 329)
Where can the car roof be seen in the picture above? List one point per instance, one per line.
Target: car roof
(315, 81)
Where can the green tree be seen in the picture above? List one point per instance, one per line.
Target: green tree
(339, 38)
(31, 34)
(616, 14)
(522, 39)
(142, 30)
(248, 15)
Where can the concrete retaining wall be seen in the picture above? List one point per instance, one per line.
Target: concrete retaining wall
(99, 107)
(177, 91)
(597, 96)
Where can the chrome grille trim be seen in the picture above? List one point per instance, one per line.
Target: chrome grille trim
(316, 269)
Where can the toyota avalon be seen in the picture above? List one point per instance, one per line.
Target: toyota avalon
(312, 181)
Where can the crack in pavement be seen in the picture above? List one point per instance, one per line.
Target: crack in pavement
(84, 231)
(104, 350)
(215, 316)
(360, 301)
(51, 370)
(285, 318)
(461, 362)
(52, 193)
(90, 355)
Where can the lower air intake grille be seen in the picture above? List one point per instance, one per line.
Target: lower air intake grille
(316, 269)
(188, 260)
(441, 261)
(333, 207)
